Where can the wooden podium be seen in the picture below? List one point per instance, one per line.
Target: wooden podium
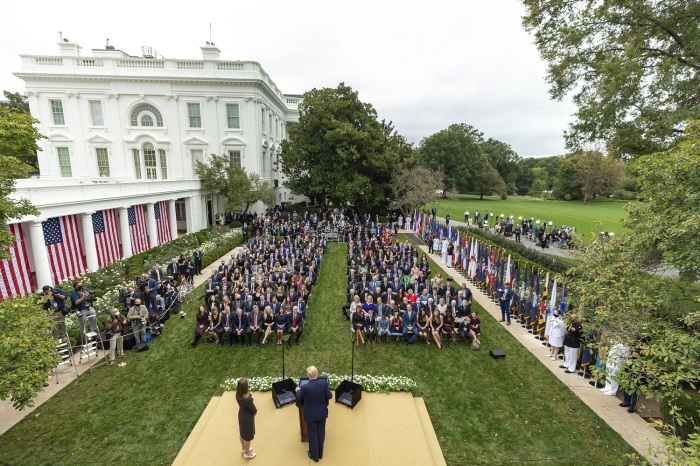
(302, 425)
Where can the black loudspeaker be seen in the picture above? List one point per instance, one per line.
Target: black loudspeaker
(283, 393)
(143, 346)
(348, 393)
(497, 353)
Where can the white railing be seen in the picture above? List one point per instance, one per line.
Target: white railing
(46, 61)
(90, 62)
(190, 65)
(145, 63)
(229, 66)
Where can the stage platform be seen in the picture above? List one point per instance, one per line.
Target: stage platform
(392, 429)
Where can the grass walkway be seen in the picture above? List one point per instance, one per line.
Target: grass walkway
(484, 410)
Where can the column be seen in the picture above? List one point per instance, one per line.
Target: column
(41, 257)
(151, 221)
(89, 245)
(173, 218)
(189, 201)
(124, 232)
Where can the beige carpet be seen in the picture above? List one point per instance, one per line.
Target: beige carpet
(391, 429)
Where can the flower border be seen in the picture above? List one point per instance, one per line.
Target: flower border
(370, 383)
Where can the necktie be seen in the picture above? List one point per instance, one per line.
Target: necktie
(255, 320)
(294, 321)
(239, 322)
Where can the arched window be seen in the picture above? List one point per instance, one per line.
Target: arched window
(145, 114)
(149, 160)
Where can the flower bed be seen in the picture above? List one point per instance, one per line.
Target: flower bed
(370, 383)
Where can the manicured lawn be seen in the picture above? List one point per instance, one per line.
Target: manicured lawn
(484, 410)
(571, 213)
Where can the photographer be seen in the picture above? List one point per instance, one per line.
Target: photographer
(137, 316)
(81, 303)
(114, 325)
(55, 299)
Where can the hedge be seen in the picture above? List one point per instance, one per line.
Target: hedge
(689, 407)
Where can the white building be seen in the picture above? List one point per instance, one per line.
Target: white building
(126, 131)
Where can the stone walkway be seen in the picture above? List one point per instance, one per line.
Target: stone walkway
(9, 416)
(631, 427)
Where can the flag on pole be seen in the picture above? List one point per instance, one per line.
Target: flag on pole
(552, 304)
(509, 279)
(15, 276)
(137, 229)
(162, 222)
(64, 248)
(104, 224)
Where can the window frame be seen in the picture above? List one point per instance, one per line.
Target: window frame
(190, 116)
(136, 157)
(105, 164)
(163, 162)
(240, 156)
(62, 166)
(91, 102)
(54, 113)
(151, 172)
(228, 117)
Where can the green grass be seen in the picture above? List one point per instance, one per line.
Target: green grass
(484, 410)
(571, 213)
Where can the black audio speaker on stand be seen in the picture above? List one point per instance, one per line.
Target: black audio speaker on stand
(348, 392)
(497, 353)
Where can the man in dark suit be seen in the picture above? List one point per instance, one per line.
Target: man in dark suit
(315, 395)
(505, 298)
(409, 325)
(240, 326)
(174, 270)
(197, 256)
(156, 272)
(295, 321)
(255, 325)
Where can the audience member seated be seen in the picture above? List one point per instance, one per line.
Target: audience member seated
(436, 327)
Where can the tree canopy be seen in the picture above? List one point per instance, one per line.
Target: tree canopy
(339, 152)
(631, 65)
(503, 158)
(457, 154)
(220, 175)
(413, 187)
(18, 133)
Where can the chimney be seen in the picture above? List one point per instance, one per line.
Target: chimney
(210, 52)
(69, 49)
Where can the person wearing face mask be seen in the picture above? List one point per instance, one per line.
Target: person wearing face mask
(556, 335)
(114, 325)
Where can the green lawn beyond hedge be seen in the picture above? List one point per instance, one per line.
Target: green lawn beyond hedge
(510, 410)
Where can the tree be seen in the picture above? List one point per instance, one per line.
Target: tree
(597, 173)
(567, 184)
(241, 190)
(457, 154)
(413, 188)
(503, 158)
(632, 67)
(669, 184)
(339, 152)
(539, 185)
(18, 135)
(27, 350)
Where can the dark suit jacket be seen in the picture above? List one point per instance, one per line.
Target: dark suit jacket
(251, 319)
(315, 396)
(244, 322)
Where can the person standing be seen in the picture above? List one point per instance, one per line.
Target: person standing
(447, 220)
(506, 297)
(197, 256)
(315, 395)
(114, 324)
(556, 335)
(137, 316)
(572, 344)
(246, 417)
(81, 303)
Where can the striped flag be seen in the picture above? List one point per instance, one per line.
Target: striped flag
(162, 222)
(137, 229)
(104, 224)
(15, 276)
(66, 259)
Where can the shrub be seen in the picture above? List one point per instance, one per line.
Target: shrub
(686, 408)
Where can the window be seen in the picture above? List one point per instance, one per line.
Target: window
(96, 113)
(233, 116)
(137, 163)
(149, 161)
(269, 126)
(263, 173)
(64, 162)
(102, 161)
(163, 164)
(262, 121)
(57, 112)
(235, 157)
(197, 156)
(142, 110)
(194, 112)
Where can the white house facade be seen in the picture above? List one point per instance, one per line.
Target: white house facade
(125, 131)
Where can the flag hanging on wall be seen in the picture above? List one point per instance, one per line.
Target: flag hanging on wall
(15, 276)
(137, 229)
(162, 222)
(65, 251)
(104, 224)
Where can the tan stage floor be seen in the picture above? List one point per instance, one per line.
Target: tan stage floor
(391, 429)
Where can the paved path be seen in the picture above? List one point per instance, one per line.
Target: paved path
(9, 416)
(631, 427)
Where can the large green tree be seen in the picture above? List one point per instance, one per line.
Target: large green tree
(413, 187)
(504, 159)
(339, 152)
(457, 154)
(598, 174)
(220, 175)
(18, 133)
(631, 65)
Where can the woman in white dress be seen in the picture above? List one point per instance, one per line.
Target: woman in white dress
(556, 335)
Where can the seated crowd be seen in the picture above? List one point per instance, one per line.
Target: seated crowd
(262, 290)
(390, 294)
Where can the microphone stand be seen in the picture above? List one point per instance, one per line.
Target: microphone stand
(352, 367)
(283, 359)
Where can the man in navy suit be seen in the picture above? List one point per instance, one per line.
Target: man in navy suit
(409, 325)
(315, 395)
(506, 297)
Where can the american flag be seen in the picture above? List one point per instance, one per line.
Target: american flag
(104, 224)
(137, 229)
(64, 247)
(15, 276)
(162, 222)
